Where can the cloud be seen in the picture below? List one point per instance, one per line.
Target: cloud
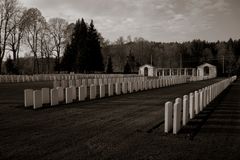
(161, 20)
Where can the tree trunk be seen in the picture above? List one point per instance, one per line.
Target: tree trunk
(1, 65)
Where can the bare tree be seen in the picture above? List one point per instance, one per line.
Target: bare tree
(58, 27)
(47, 47)
(16, 35)
(8, 9)
(34, 23)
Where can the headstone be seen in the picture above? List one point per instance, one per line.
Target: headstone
(124, 87)
(68, 95)
(54, 97)
(74, 92)
(196, 102)
(93, 91)
(102, 90)
(64, 83)
(110, 89)
(45, 95)
(60, 94)
(191, 106)
(78, 83)
(168, 117)
(130, 87)
(82, 93)
(185, 110)
(176, 118)
(201, 100)
(117, 88)
(28, 97)
(37, 99)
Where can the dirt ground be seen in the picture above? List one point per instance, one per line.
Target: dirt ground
(122, 127)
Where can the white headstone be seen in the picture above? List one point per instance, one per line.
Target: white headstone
(74, 92)
(191, 106)
(60, 94)
(102, 90)
(28, 97)
(93, 90)
(168, 117)
(82, 93)
(37, 99)
(54, 97)
(117, 88)
(185, 110)
(176, 118)
(110, 89)
(45, 95)
(68, 95)
(196, 102)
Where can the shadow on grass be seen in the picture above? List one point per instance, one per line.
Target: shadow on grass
(195, 125)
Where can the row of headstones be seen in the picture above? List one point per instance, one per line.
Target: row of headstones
(200, 78)
(96, 81)
(99, 81)
(178, 114)
(58, 95)
(52, 77)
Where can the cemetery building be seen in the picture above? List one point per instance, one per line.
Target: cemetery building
(205, 71)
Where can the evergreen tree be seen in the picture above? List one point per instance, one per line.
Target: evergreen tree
(127, 69)
(131, 62)
(68, 59)
(10, 66)
(109, 65)
(80, 46)
(94, 50)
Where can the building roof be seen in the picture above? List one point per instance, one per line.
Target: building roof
(147, 65)
(206, 64)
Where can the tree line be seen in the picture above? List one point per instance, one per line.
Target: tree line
(54, 46)
(127, 54)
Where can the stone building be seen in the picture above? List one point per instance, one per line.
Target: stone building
(205, 71)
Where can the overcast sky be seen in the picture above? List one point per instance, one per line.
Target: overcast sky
(155, 20)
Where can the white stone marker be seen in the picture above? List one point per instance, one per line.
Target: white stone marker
(82, 93)
(185, 110)
(54, 97)
(68, 95)
(102, 90)
(74, 92)
(93, 90)
(124, 87)
(168, 117)
(130, 87)
(84, 82)
(196, 102)
(161, 83)
(70, 83)
(150, 84)
(191, 106)
(179, 100)
(201, 100)
(60, 94)
(64, 83)
(145, 85)
(118, 88)
(78, 83)
(110, 89)
(176, 118)
(204, 98)
(37, 99)
(45, 95)
(28, 97)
